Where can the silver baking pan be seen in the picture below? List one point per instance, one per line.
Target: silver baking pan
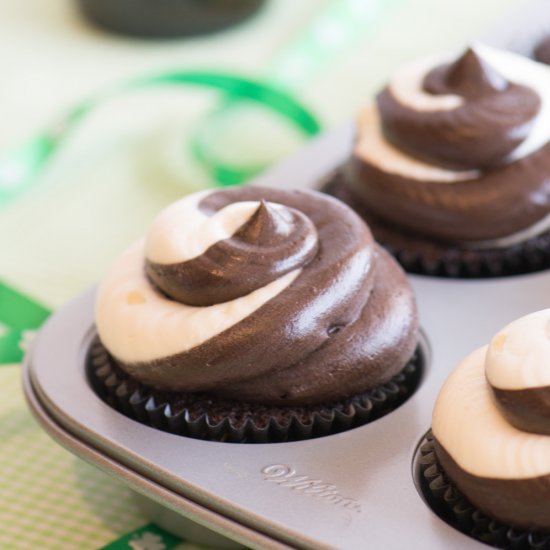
(347, 491)
(271, 495)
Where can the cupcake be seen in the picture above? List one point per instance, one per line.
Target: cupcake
(491, 437)
(451, 165)
(255, 314)
(169, 18)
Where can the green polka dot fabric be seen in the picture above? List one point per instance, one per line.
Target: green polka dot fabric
(52, 499)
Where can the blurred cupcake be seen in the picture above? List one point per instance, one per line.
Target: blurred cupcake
(451, 166)
(256, 314)
(491, 438)
(168, 18)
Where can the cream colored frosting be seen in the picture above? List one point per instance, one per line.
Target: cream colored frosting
(471, 429)
(406, 86)
(522, 70)
(182, 231)
(466, 420)
(373, 147)
(519, 355)
(137, 323)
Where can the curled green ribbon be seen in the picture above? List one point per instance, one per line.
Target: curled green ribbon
(20, 316)
(20, 167)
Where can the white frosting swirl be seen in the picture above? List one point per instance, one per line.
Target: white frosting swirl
(466, 420)
(375, 149)
(472, 430)
(182, 232)
(519, 355)
(407, 86)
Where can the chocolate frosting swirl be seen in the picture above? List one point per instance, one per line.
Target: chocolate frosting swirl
(273, 242)
(494, 118)
(478, 209)
(526, 409)
(346, 323)
(471, 171)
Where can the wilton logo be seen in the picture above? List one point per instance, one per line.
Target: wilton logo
(285, 476)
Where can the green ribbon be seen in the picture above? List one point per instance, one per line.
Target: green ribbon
(148, 537)
(20, 316)
(20, 167)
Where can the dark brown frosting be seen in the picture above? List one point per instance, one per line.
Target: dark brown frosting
(270, 244)
(495, 204)
(542, 51)
(500, 198)
(348, 322)
(523, 503)
(527, 409)
(495, 118)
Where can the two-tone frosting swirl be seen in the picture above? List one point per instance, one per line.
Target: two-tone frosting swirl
(491, 424)
(261, 295)
(459, 151)
(271, 243)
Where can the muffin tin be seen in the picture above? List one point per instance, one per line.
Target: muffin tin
(347, 491)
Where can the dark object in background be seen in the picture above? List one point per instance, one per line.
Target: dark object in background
(167, 18)
(542, 50)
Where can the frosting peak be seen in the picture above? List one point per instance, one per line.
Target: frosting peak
(266, 223)
(272, 242)
(469, 76)
(482, 131)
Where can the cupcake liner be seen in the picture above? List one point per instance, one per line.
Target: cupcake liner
(453, 507)
(424, 257)
(207, 417)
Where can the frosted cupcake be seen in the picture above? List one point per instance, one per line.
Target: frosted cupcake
(256, 315)
(451, 165)
(491, 436)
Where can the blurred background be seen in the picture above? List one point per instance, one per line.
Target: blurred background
(136, 150)
(131, 155)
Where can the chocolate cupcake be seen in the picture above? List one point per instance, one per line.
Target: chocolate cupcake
(256, 314)
(490, 465)
(451, 166)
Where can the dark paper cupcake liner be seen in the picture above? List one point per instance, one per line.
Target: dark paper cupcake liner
(452, 506)
(207, 417)
(423, 257)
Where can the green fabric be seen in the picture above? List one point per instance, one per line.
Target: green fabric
(148, 537)
(51, 499)
(19, 316)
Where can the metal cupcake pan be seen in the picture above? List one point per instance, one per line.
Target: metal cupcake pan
(346, 491)
(333, 492)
